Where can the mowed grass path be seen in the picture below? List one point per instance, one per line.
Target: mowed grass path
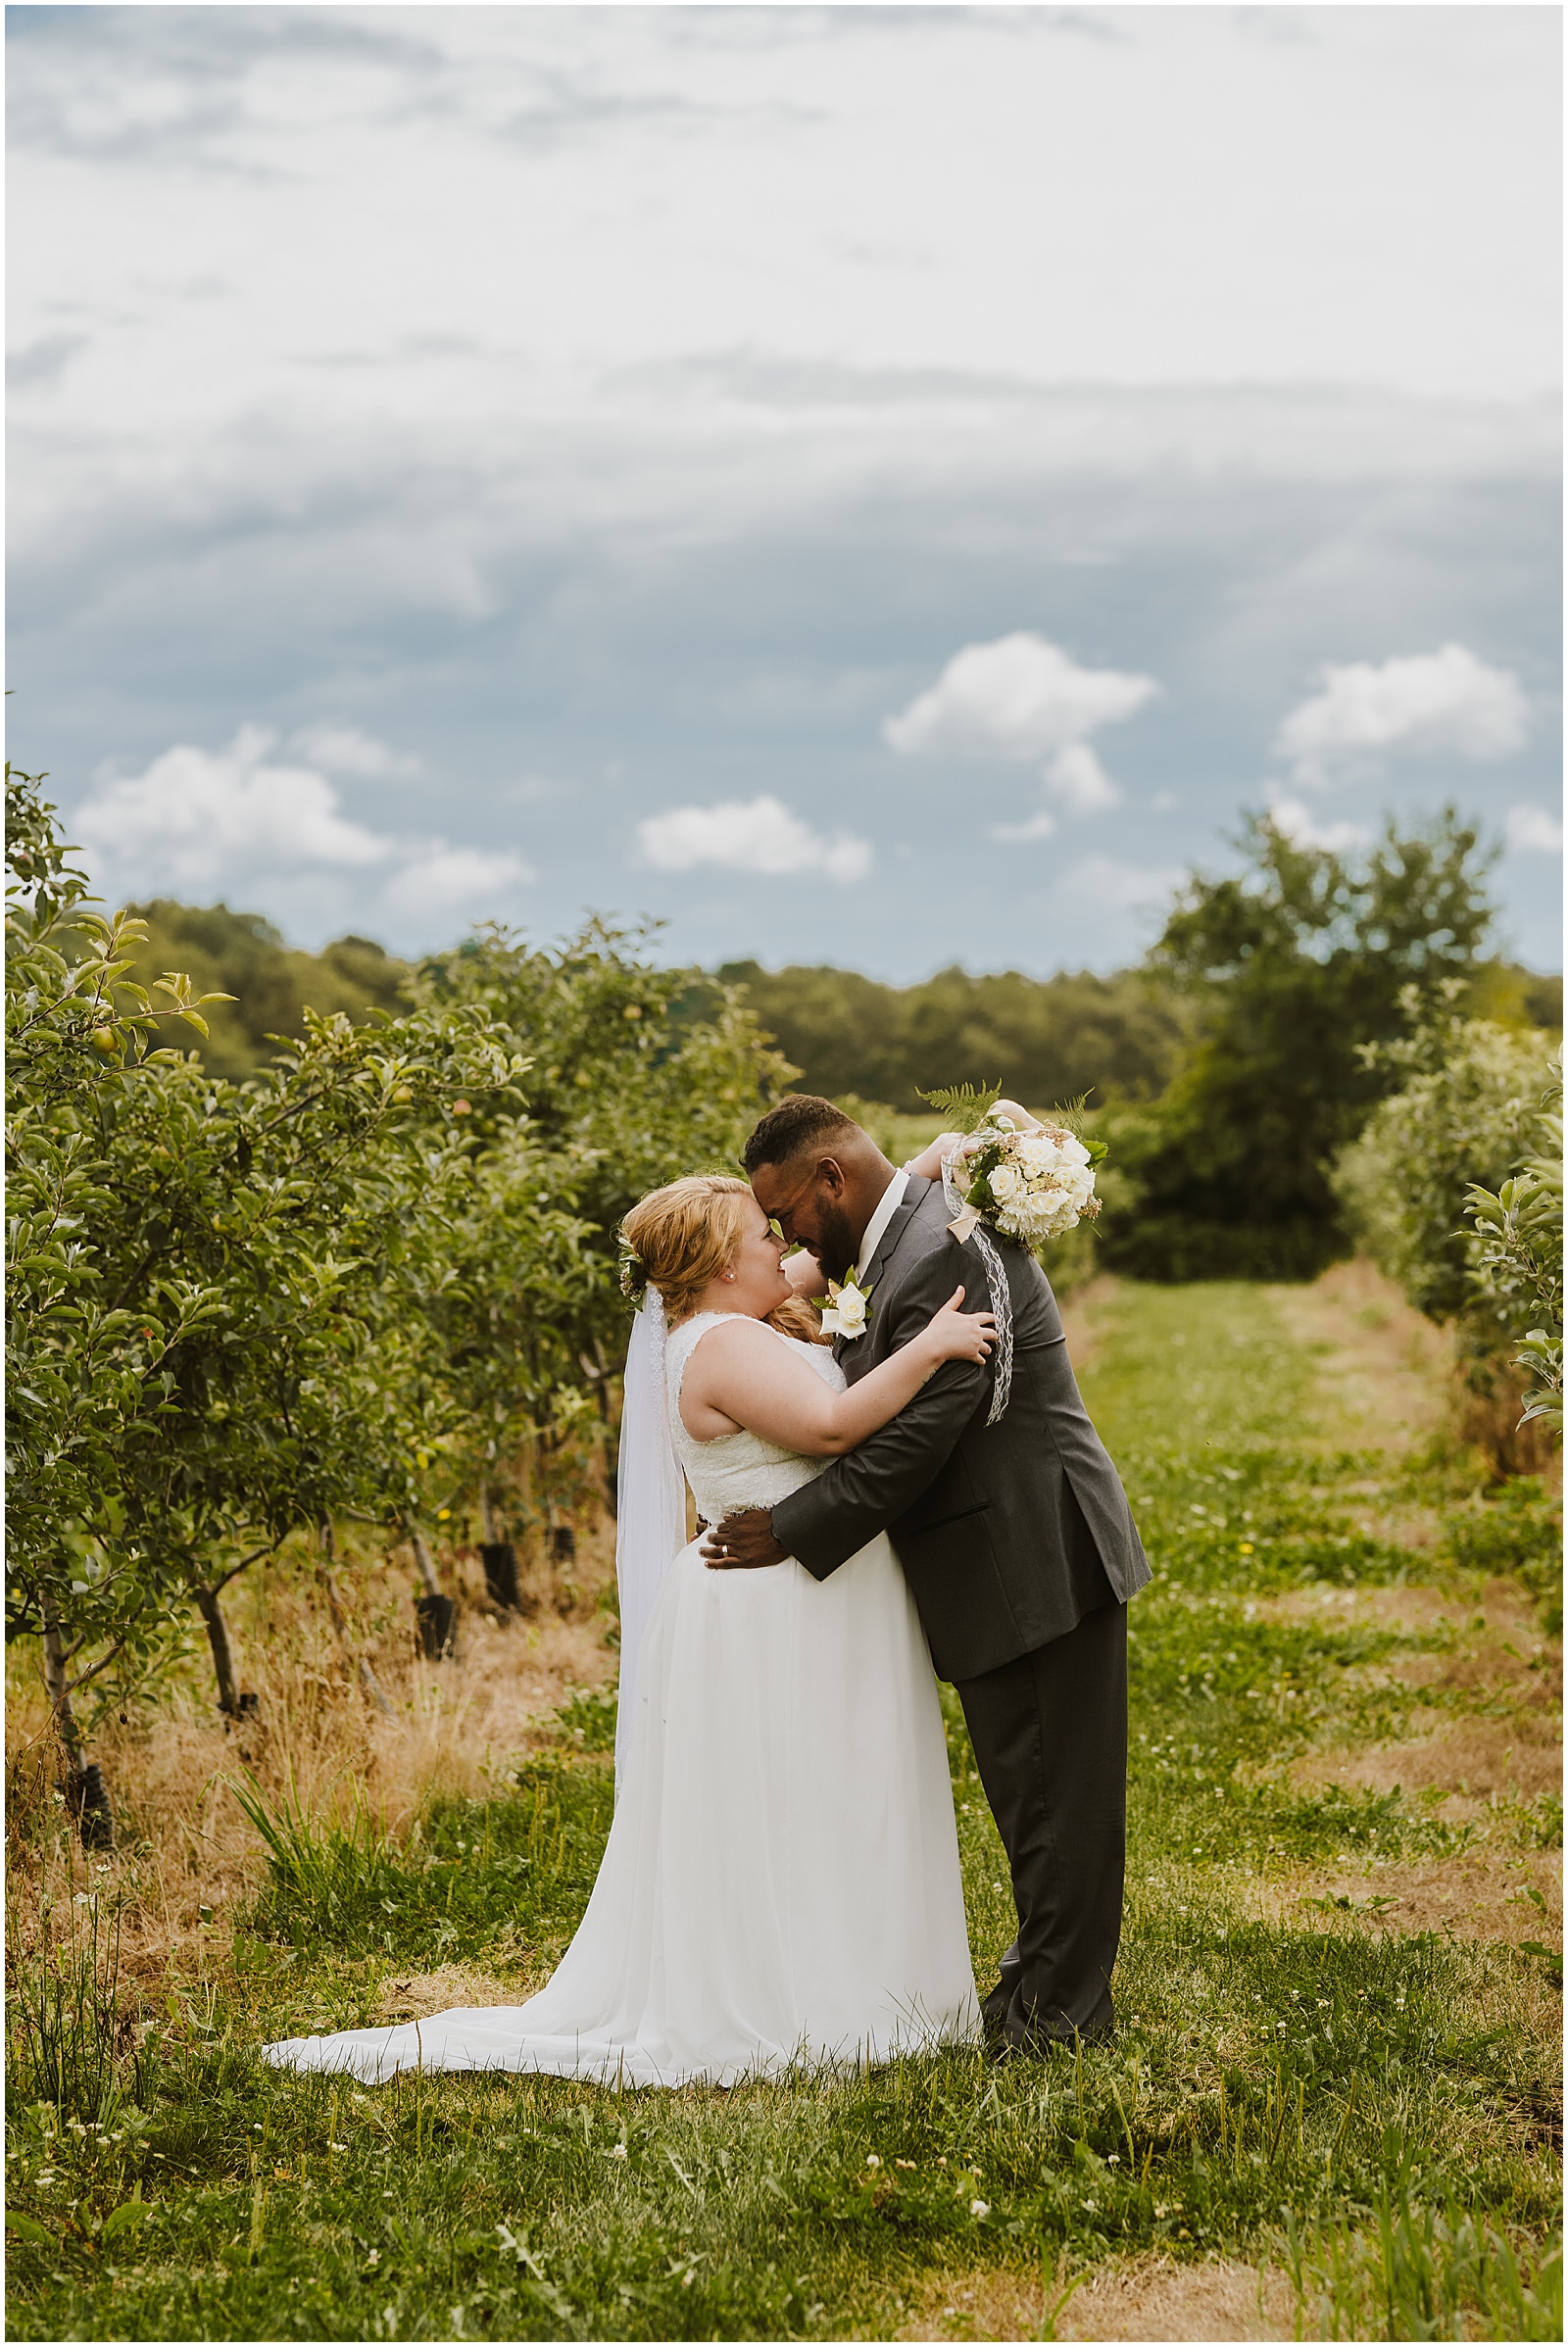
(1298, 2078)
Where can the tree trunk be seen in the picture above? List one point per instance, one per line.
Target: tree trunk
(87, 1795)
(426, 1564)
(211, 1613)
(58, 1692)
(487, 1522)
(434, 1612)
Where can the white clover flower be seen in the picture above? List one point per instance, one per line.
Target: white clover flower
(979, 2208)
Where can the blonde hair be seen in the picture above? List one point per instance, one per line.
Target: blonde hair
(682, 1238)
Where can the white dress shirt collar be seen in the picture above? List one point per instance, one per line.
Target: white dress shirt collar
(887, 1206)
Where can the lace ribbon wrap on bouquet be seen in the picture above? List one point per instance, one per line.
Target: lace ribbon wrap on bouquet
(966, 1224)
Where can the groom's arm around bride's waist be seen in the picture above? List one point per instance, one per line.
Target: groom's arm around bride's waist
(830, 1519)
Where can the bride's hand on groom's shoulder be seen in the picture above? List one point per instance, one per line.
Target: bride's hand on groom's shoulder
(742, 1541)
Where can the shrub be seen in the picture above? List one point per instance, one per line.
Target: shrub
(1516, 1256)
(1467, 1111)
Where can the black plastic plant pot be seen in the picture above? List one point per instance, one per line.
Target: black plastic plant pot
(89, 1801)
(438, 1625)
(562, 1544)
(499, 1560)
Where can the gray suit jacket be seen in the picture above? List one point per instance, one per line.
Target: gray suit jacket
(979, 1515)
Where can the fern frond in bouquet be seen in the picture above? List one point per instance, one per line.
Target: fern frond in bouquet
(962, 1108)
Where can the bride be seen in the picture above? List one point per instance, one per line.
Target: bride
(781, 1882)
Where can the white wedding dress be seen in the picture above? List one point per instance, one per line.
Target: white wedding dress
(781, 1884)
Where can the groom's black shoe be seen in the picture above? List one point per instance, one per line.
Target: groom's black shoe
(994, 2012)
(1010, 2027)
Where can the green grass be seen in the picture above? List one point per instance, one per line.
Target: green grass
(1379, 2112)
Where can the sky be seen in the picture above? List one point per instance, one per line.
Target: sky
(883, 485)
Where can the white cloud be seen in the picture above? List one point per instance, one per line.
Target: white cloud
(1038, 826)
(1076, 778)
(1020, 698)
(1445, 702)
(750, 835)
(1300, 826)
(345, 749)
(453, 881)
(197, 824)
(1532, 831)
(196, 818)
(1104, 880)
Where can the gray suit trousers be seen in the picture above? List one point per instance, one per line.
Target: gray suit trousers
(1050, 1736)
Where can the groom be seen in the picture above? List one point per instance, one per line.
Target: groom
(1016, 1539)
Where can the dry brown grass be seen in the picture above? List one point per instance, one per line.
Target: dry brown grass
(187, 1858)
(1487, 1736)
(1478, 1893)
(1383, 1369)
(1394, 1381)
(411, 1997)
(1150, 2297)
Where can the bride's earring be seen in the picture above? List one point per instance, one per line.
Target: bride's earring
(729, 1274)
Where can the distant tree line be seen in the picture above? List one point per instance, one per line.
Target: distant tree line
(1231, 1069)
(1050, 1039)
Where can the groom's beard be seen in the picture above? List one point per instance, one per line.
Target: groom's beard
(836, 1244)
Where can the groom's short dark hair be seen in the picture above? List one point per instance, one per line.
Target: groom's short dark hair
(801, 1121)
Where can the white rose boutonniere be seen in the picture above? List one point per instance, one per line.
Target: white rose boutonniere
(844, 1314)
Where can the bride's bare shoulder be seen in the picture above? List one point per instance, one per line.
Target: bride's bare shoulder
(734, 1338)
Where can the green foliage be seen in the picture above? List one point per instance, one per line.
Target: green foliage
(1516, 1263)
(216, 1325)
(84, 1360)
(1465, 1111)
(628, 1087)
(271, 985)
(1047, 1038)
(1292, 967)
(359, 1279)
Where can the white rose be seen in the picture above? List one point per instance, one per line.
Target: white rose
(1072, 1149)
(1006, 1183)
(1038, 1153)
(847, 1313)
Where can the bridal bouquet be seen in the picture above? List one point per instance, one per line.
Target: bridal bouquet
(1028, 1185)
